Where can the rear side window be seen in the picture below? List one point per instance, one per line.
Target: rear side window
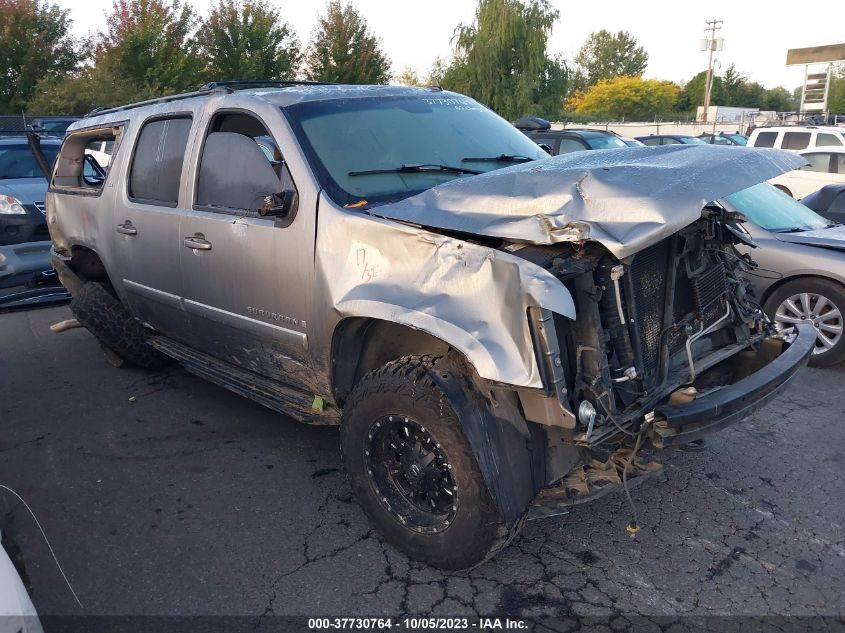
(795, 140)
(157, 164)
(766, 139)
(827, 139)
(82, 167)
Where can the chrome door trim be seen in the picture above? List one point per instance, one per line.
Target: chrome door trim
(245, 323)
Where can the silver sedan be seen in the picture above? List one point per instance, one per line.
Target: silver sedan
(801, 265)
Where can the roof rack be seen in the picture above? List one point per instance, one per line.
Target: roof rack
(226, 87)
(270, 83)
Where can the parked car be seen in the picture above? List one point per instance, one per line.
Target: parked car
(57, 126)
(796, 138)
(826, 166)
(568, 140)
(801, 259)
(22, 190)
(632, 142)
(828, 202)
(669, 139)
(724, 138)
(420, 288)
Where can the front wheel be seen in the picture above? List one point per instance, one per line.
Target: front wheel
(819, 302)
(413, 471)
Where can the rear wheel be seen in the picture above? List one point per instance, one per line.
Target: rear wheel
(413, 471)
(819, 302)
(117, 330)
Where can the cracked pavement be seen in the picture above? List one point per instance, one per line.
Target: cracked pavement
(165, 495)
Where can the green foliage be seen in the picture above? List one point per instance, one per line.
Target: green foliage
(778, 99)
(836, 94)
(438, 70)
(408, 78)
(35, 45)
(82, 91)
(343, 50)
(692, 94)
(501, 59)
(734, 89)
(247, 39)
(148, 43)
(629, 98)
(607, 55)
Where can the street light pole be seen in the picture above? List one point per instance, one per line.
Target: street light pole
(712, 27)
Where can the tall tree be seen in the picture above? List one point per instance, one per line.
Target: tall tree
(606, 55)
(149, 44)
(247, 39)
(35, 45)
(501, 58)
(692, 94)
(343, 50)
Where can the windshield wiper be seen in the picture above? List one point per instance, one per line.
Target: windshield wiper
(502, 158)
(415, 169)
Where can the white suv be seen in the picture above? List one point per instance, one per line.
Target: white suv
(796, 138)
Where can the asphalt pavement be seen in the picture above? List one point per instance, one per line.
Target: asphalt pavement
(163, 494)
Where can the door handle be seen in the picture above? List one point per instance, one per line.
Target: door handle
(197, 243)
(127, 229)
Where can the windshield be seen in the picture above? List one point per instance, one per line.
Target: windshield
(773, 210)
(17, 161)
(739, 139)
(346, 137)
(603, 141)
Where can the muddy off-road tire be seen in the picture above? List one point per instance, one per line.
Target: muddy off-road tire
(106, 318)
(441, 514)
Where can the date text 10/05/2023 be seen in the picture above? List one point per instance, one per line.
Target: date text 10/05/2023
(416, 624)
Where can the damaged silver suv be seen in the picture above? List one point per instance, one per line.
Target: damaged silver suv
(499, 334)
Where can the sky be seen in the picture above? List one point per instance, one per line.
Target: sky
(414, 32)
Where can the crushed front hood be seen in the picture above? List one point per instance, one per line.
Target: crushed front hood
(626, 199)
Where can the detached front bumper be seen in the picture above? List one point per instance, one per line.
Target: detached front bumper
(680, 424)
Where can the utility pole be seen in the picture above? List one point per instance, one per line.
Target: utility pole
(711, 43)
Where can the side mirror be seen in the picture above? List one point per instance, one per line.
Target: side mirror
(279, 204)
(546, 148)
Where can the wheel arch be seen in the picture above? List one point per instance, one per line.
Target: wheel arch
(362, 344)
(780, 283)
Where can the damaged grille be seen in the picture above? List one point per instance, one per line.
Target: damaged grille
(648, 296)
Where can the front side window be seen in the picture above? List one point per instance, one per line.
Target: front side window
(670, 141)
(603, 141)
(795, 140)
(386, 148)
(819, 161)
(242, 168)
(568, 145)
(826, 140)
(773, 210)
(691, 140)
(650, 141)
(82, 166)
(156, 172)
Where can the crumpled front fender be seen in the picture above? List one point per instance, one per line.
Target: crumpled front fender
(473, 297)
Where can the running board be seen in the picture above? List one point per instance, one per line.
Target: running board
(296, 404)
